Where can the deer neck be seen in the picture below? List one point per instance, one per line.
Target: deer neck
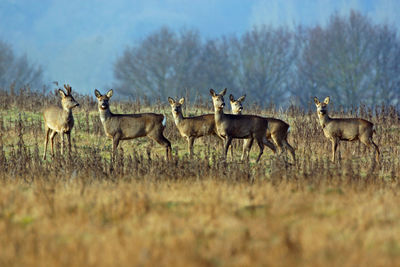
(67, 114)
(105, 114)
(178, 117)
(324, 119)
(219, 114)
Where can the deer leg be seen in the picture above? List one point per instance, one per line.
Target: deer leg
(370, 143)
(232, 150)
(290, 148)
(116, 139)
(278, 141)
(335, 143)
(160, 139)
(268, 144)
(190, 145)
(247, 144)
(228, 141)
(261, 146)
(69, 142)
(62, 143)
(46, 142)
(52, 135)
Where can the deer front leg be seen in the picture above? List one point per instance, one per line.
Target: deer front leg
(247, 144)
(62, 143)
(116, 139)
(52, 135)
(335, 143)
(228, 140)
(69, 142)
(190, 146)
(46, 142)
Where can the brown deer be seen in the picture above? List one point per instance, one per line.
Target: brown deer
(191, 127)
(344, 129)
(59, 120)
(231, 126)
(277, 129)
(129, 126)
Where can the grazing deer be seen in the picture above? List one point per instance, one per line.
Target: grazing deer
(277, 129)
(231, 126)
(129, 126)
(344, 129)
(191, 127)
(59, 120)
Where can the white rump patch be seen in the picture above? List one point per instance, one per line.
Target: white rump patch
(164, 121)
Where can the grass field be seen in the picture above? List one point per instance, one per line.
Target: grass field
(140, 210)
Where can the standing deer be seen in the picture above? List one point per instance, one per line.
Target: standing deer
(129, 126)
(59, 120)
(277, 129)
(344, 129)
(191, 127)
(231, 126)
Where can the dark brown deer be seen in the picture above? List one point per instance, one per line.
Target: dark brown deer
(277, 129)
(231, 126)
(129, 126)
(191, 127)
(344, 129)
(59, 120)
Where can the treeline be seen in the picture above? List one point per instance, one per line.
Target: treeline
(17, 71)
(351, 59)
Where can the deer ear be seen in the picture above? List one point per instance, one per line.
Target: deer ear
(242, 98)
(182, 100)
(316, 101)
(62, 93)
(231, 98)
(171, 100)
(109, 93)
(97, 93)
(223, 92)
(327, 99)
(212, 92)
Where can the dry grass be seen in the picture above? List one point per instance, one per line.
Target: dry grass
(141, 210)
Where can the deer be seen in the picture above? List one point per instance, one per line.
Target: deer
(344, 129)
(277, 129)
(231, 126)
(191, 127)
(120, 127)
(59, 120)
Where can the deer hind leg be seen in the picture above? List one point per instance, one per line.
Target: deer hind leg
(370, 143)
(46, 141)
(278, 142)
(160, 139)
(62, 142)
(52, 135)
(290, 148)
(261, 146)
(269, 144)
(247, 144)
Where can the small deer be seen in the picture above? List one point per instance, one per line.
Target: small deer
(191, 127)
(277, 129)
(231, 126)
(129, 126)
(59, 120)
(344, 129)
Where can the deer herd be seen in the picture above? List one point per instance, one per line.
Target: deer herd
(270, 132)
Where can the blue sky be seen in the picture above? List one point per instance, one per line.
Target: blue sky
(78, 41)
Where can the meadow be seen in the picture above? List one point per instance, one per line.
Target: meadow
(141, 210)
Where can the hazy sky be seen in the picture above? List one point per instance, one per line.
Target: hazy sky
(78, 41)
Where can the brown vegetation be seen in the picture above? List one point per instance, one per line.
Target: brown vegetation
(86, 210)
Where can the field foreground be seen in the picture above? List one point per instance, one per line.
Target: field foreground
(86, 210)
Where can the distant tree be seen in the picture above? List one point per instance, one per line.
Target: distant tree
(162, 65)
(263, 61)
(18, 70)
(350, 59)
